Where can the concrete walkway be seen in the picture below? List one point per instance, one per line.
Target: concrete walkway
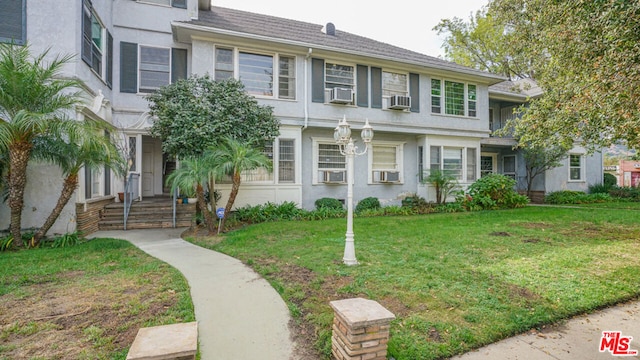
(239, 315)
(577, 338)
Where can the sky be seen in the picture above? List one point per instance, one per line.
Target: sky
(404, 23)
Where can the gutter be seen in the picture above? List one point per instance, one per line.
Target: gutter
(306, 89)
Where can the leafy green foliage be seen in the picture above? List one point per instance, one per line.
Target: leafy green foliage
(195, 113)
(6, 243)
(66, 240)
(584, 56)
(610, 180)
(444, 183)
(494, 191)
(630, 193)
(599, 188)
(368, 203)
(538, 159)
(575, 197)
(268, 212)
(418, 204)
(328, 203)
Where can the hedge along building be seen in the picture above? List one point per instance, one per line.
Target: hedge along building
(427, 113)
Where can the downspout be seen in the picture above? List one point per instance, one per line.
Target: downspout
(306, 89)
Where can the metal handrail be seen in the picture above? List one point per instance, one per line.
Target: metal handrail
(175, 199)
(130, 193)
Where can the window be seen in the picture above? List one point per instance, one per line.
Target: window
(330, 158)
(155, 68)
(394, 84)
(256, 72)
(471, 164)
(259, 174)
(575, 167)
(460, 99)
(436, 99)
(509, 166)
(286, 161)
(341, 76)
(486, 165)
(97, 43)
(13, 21)
(386, 162)
(450, 161)
(223, 64)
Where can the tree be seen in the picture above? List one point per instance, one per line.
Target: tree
(539, 159)
(193, 174)
(194, 113)
(585, 57)
(33, 99)
(481, 43)
(86, 148)
(234, 157)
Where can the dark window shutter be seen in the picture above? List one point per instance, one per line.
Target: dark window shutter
(179, 4)
(107, 171)
(178, 64)
(86, 32)
(12, 24)
(109, 60)
(87, 183)
(376, 88)
(363, 86)
(317, 80)
(128, 67)
(414, 92)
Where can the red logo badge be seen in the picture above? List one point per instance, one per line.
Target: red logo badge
(617, 344)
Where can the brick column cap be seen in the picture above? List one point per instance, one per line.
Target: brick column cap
(359, 312)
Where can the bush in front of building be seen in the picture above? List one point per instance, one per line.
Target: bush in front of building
(368, 204)
(565, 197)
(328, 203)
(493, 191)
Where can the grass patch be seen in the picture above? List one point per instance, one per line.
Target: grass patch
(85, 302)
(455, 281)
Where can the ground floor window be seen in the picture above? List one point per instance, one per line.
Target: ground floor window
(509, 166)
(386, 162)
(575, 167)
(459, 162)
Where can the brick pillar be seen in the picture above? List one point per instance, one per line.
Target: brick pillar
(360, 330)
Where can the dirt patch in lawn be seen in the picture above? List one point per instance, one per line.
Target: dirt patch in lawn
(77, 317)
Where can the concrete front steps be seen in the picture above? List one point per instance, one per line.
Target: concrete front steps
(150, 213)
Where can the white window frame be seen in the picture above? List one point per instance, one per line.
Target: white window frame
(275, 58)
(399, 165)
(277, 167)
(150, 90)
(388, 92)
(345, 85)
(316, 142)
(580, 167)
(443, 98)
(464, 170)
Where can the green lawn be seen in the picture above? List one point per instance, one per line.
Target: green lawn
(455, 281)
(86, 301)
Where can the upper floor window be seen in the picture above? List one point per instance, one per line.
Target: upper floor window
(394, 84)
(144, 68)
(155, 68)
(97, 43)
(575, 167)
(341, 76)
(175, 3)
(457, 98)
(256, 72)
(13, 21)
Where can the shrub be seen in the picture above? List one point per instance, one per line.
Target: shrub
(599, 189)
(418, 205)
(575, 197)
(268, 212)
(6, 243)
(444, 183)
(610, 180)
(328, 203)
(66, 240)
(369, 203)
(495, 191)
(625, 193)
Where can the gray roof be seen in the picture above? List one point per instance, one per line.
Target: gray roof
(522, 88)
(309, 34)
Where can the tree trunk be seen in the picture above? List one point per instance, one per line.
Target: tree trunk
(18, 159)
(232, 198)
(208, 220)
(70, 185)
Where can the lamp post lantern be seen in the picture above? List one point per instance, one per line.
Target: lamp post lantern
(342, 136)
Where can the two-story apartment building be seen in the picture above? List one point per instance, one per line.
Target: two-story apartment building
(427, 113)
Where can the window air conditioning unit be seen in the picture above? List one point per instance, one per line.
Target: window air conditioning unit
(389, 176)
(399, 102)
(334, 176)
(340, 96)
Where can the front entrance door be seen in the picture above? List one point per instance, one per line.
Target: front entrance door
(147, 167)
(487, 164)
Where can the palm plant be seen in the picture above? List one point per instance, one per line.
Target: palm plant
(232, 158)
(444, 184)
(193, 174)
(33, 101)
(86, 148)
